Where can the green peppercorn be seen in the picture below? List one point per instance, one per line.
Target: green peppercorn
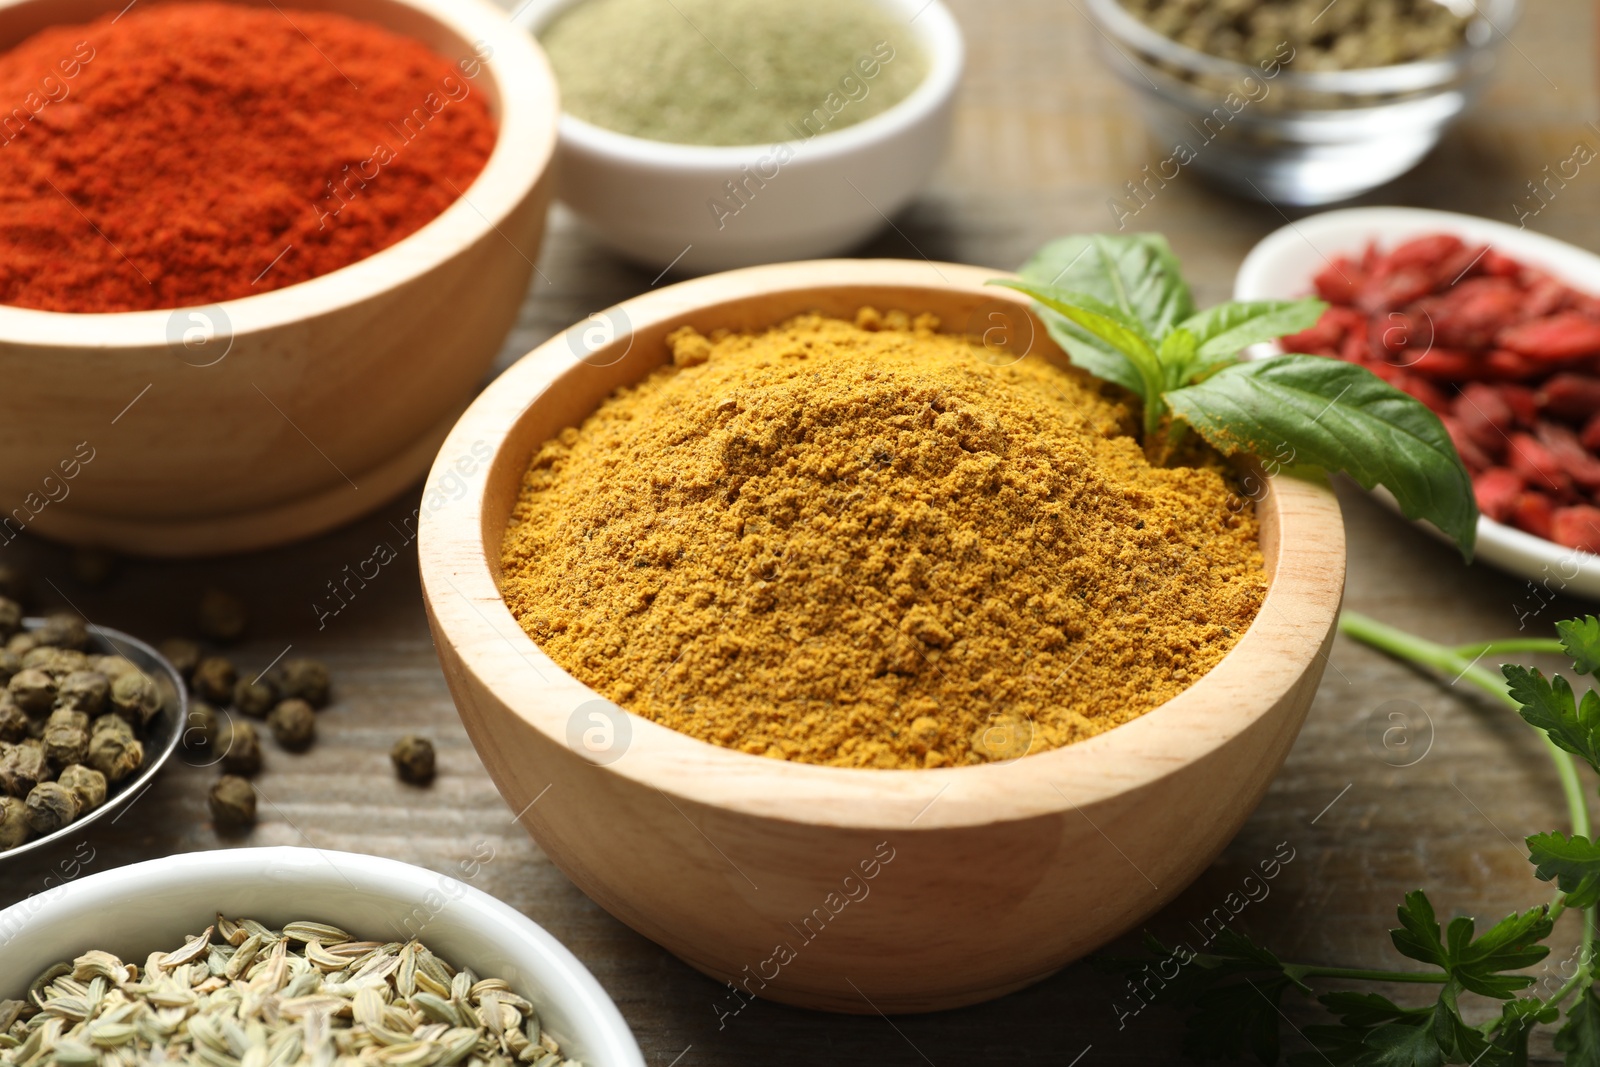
(22, 643)
(183, 654)
(22, 767)
(33, 690)
(10, 663)
(233, 802)
(14, 828)
(13, 720)
(114, 754)
(221, 616)
(293, 725)
(65, 742)
(214, 679)
(413, 759)
(86, 783)
(85, 691)
(51, 806)
(241, 749)
(10, 618)
(200, 731)
(304, 679)
(254, 699)
(136, 698)
(64, 630)
(113, 667)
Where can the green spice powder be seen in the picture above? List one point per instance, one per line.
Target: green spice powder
(731, 72)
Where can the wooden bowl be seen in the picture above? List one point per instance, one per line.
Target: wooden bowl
(844, 889)
(311, 404)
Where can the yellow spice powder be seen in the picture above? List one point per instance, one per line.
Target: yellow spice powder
(860, 544)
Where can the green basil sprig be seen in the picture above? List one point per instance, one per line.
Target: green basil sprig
(1119, 307)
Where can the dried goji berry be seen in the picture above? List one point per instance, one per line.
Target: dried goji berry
(1522, 401)
(1497, 490)
(1529, 457)
(1442, 364)
(1473, 456)
(1578, 462)
(1545, 296)
(1466, 262)
(1354, 349)
(1532, 512)
(1576, 527)
(1564, 336)
(1429, 394)
(1427, 251)
(1380, 294)
(1505, 365)
(1471, 314)
(1499, 264)
(1339, 281)
(1484, 416)
(1591, 434)
(1571, 396)
(1398, 332)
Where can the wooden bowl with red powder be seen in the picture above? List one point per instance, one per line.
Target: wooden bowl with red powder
(841, 888)
(255, 258)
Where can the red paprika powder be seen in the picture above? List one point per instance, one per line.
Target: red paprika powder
(191, 152)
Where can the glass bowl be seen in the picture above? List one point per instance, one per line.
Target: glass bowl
(1291, 137)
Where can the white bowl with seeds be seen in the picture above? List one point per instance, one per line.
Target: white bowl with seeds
(295, 950)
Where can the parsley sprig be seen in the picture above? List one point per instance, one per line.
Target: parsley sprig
(1119, 307)
(1235, 989)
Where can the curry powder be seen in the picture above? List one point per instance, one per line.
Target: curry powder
(862, 544)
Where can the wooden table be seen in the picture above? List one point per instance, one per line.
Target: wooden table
(1044, 137)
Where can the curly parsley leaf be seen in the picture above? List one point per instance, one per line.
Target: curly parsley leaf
(1573, 863)
(1339, 417)
(1581, 639)
(1549, 704)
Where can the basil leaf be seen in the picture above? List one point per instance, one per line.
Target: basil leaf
(1227, 329)
(1135, 272)
(1339, 417)
(1177, 354)
(1114, 327)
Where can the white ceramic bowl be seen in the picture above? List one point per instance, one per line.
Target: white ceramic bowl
(651, 200)
(1283, 264)
(132, 911)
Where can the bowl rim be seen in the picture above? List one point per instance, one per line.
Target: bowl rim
(1293, 628)
(1264, 275)
(936, 31)
(1117, 23)
(529, 104)
(375, 875)
(131, 790)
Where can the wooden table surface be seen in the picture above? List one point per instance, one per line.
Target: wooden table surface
(1044, 137)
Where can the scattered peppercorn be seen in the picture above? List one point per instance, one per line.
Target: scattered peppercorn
(305, 679)
(221, 616)
(293, 725)
(203, 725)
(254, 699)
(214, 679)
(233, 802)
(413, 759)
(241, 749)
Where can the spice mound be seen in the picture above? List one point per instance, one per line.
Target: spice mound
(729, 72)
(242, 992)
(187, 153)
(1352, 35)
(860, 544)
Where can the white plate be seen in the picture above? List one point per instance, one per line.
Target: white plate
(1283, 264)
(132, 911)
